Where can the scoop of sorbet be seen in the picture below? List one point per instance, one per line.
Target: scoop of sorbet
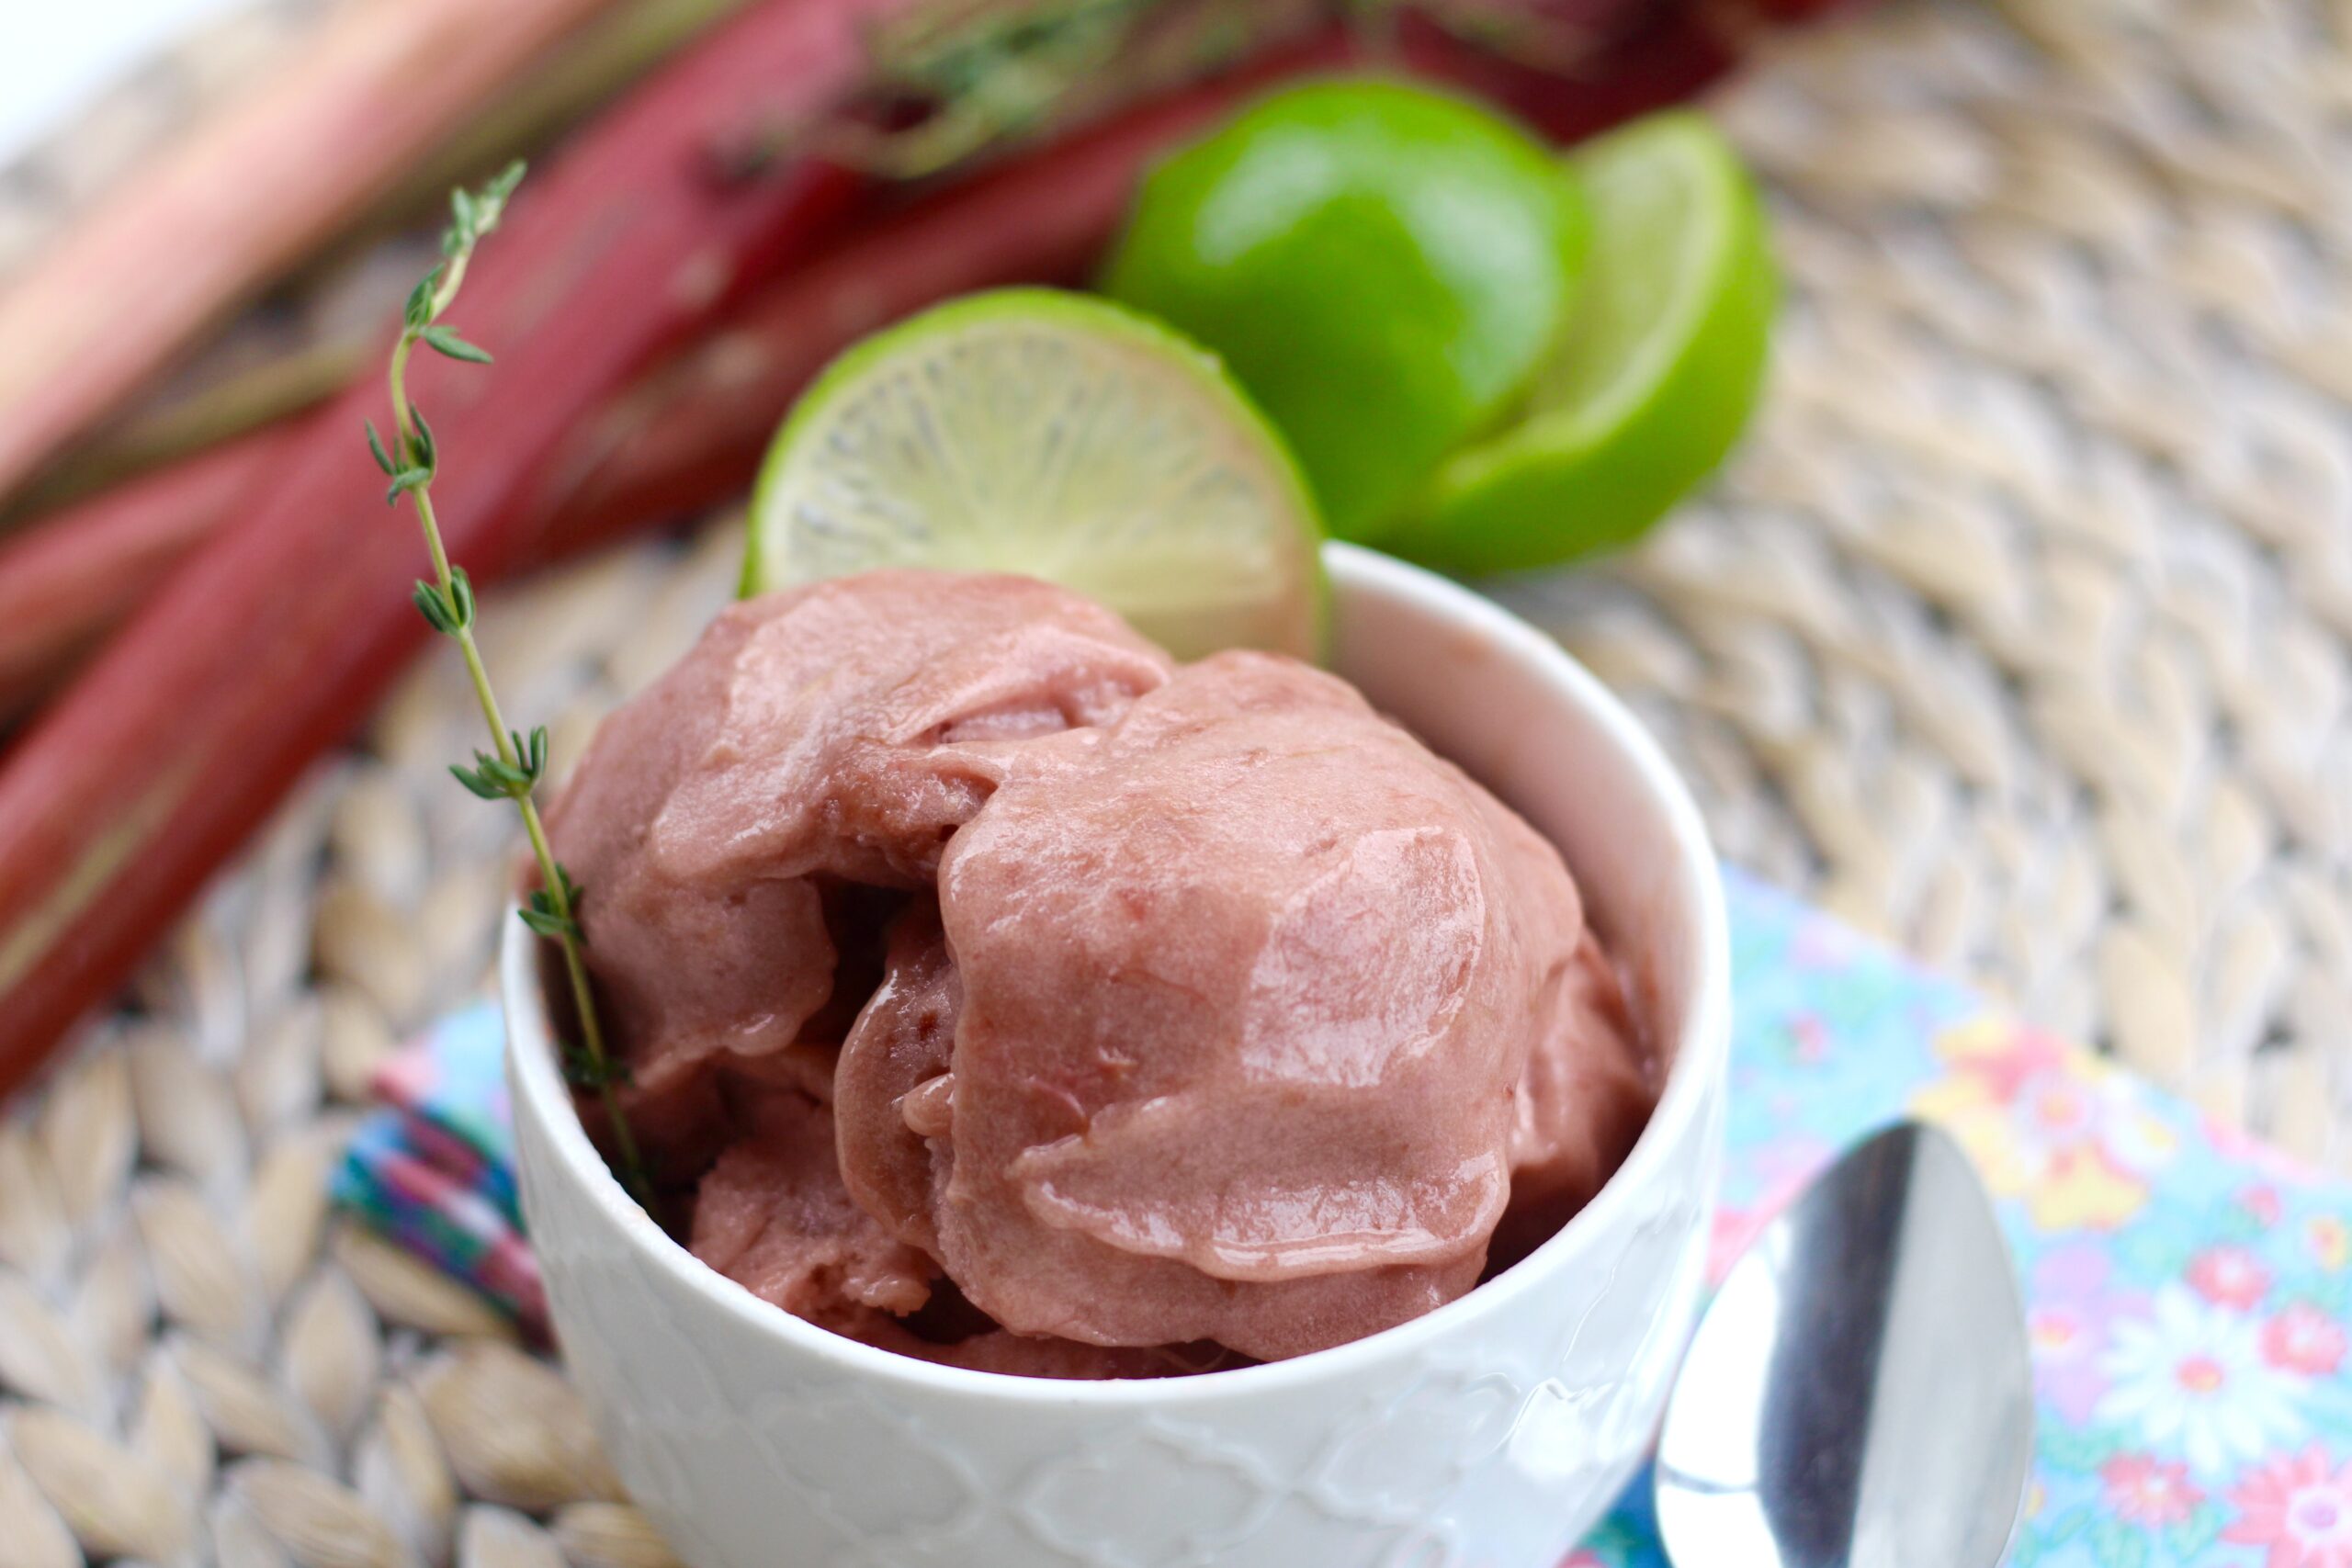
(811, 741)
(1149, 1006)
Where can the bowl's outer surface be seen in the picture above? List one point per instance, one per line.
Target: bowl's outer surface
(1489, 1434)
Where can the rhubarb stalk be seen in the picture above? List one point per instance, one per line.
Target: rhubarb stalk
(66, 582)
(267, 648)
(235, 204)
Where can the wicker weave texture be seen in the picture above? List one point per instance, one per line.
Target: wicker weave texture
(2018, 634)
(2021, 636)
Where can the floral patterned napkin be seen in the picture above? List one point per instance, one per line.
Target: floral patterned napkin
(434, 1169)
(2188, 1288)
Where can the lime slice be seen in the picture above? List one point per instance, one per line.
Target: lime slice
(1654, 380)
(1059, 437)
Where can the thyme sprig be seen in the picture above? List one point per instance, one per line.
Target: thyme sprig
(516, 763)
(952, 80)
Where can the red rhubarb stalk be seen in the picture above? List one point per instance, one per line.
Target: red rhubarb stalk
(266, 647)
(68, 582)
(235, 203)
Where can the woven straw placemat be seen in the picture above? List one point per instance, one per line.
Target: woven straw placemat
(100, 143)
(2017, 634)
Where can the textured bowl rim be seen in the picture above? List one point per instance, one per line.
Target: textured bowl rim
(1700, 1056)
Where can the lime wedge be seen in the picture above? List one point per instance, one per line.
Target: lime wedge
(1655, 379)
(1056, 435)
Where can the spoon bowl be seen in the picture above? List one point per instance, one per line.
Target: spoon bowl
(1859, 1393)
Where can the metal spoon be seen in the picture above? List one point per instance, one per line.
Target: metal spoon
(1859, 1395)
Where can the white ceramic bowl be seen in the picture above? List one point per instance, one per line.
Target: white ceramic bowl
(1493, 1431)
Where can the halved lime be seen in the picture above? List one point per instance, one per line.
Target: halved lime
(1655, 380)
(1056, 435)
(1385, 268)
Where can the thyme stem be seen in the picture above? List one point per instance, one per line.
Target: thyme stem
(514, 767)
